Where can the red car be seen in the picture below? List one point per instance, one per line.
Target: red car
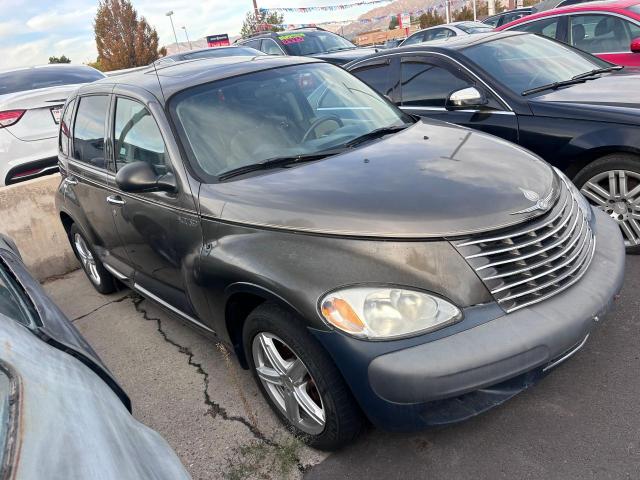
(609, 30)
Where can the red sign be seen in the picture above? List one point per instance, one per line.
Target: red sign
(218, 40)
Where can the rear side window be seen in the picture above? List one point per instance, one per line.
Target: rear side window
(416, 38)
(595, 33)
(270, 47)
(65, 128)
(43, 77)
(428, 85)
(137, 137)
(376, 76)
(547, 27)
(88, 130)
(252, 44)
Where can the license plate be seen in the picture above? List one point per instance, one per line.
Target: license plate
(56, 112)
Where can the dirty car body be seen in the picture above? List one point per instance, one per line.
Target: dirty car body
(376, 217)
(54, 386)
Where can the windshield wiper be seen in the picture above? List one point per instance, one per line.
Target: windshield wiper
(278, 162)
(378, 132)
(591, 73)
(581, 77)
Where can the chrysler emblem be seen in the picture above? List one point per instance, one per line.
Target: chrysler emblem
(542, 204)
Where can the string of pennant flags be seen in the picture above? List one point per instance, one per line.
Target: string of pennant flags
(414, 13)
(325, 8)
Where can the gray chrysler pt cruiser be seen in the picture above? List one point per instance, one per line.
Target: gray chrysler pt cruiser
(361, 263)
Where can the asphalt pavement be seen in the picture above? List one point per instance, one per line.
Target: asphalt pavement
(580, 422)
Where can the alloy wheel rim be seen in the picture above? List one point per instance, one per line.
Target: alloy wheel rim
(617, 192)
(288, 383)
(86, 259)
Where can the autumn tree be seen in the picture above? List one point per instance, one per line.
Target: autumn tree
(431, 19)
(261, 21)
(123, 40)
(61, 59)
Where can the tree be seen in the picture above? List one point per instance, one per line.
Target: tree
(61, 59)
(262, 21)
(123, 40)
(393, 23)
(465, 13)
(431, 19)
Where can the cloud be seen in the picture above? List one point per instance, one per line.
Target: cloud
(9, 29)
(54, 21)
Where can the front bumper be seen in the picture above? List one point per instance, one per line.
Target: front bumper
(487, 358)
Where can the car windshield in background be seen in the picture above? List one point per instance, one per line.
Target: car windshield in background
(291, 111)
(43, 77)
(311, 43)
(223, 52)
(526, 62)
(474, 27)
(13, 301)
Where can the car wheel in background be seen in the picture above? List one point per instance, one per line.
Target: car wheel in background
(101, 280)
(612, 183)
(299, 380)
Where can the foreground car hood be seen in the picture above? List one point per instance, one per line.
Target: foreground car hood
(610, 98)
(430, 180)
(345, 56)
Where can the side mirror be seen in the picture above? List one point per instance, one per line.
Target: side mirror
(140, 177)
(635, 45)
(469, 97)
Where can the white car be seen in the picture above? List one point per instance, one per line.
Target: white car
(446, 30)
(31, 101)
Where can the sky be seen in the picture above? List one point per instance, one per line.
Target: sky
(33, 30)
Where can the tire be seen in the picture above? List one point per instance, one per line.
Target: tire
(623, 208)
(343, 420)
(99, 277)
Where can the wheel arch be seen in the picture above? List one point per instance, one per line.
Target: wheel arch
(591, 155)
(242, 299)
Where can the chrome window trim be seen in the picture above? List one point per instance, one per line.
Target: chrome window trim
(429, 52)
(167, 305)
(443, 109)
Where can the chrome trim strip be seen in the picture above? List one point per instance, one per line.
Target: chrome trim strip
(422, 52)
(155, 298)
(567, 355)
(412, 108)
(114, 272)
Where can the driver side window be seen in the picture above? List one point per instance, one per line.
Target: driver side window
(137, 137)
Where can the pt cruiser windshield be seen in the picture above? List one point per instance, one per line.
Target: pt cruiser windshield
(291, 113)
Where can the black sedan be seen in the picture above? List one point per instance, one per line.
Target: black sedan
(578, 112)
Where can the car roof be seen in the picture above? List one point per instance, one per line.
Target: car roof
(604, 6)
(50, 65)
(175, 77)
(180, 55)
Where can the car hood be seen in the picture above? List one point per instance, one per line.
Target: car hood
(430, 180)
(345, 56)
(611, 98)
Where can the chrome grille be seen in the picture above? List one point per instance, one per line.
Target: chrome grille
(529, 263)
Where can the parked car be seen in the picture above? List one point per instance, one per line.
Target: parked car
(609, 30)
(355, 258)
(63, 415)
(31, 101)
(576, 111)
(392, 43)
(550, 4)
(211, 52)
(509, 16)
(307, 42)
(446, 30)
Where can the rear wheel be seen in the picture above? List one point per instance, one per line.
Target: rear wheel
(612, 184)
(299, 380)
(100, 278)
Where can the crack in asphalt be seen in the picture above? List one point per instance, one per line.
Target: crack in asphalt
(214, 409)
(117, 300)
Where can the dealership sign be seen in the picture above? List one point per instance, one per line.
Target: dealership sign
(218, 40)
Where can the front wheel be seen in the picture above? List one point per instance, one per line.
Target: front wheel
(612, 183)
(299, 380)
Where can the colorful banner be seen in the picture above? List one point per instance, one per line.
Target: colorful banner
(221, 40)
(327, 8)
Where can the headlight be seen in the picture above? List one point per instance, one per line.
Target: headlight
(386, 312)
(583, 203)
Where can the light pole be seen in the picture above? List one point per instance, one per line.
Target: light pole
(169, 14)
(475, 11)
(187, 35)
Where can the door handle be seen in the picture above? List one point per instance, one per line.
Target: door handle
(71, 181)
(115, 200)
